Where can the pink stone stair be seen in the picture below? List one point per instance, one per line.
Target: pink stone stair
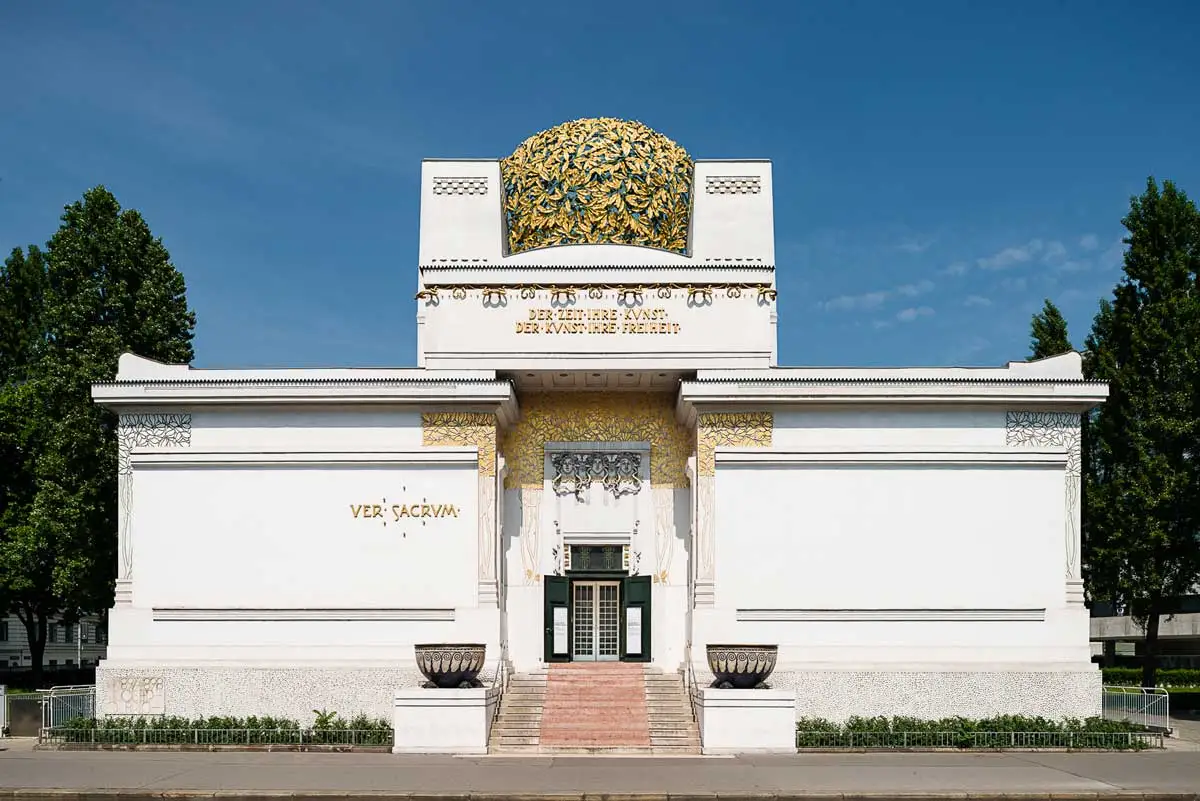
(596, 707)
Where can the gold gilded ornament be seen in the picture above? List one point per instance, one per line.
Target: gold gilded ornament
(595, 181)
(735, 429)
(463, 428)
(596, 417)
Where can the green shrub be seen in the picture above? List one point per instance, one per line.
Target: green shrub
(329, 728)
(999, 732)
(1170, 677)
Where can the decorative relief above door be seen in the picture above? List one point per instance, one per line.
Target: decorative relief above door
(619, 473)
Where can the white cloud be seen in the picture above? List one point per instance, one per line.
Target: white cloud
(1055, 251)
(882, 324)
(1114, 256)
(1014, 284)
(957, 268)
(977, 300)
(1089, 242)
(866, 301)
(910, 314)
(1075, 265)
(1012, 256)
(915, 245)
(912, 290)
(873, 300)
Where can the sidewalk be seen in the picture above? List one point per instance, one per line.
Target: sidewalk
(1176, 773)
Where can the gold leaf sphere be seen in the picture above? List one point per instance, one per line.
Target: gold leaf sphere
(595, 181)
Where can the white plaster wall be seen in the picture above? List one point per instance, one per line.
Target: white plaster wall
(285, 537)
(865, 429)
(514, 332)
(962, 546)
(292, 429)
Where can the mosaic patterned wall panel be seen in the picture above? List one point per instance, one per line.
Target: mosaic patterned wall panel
(596, 417)
(735, 429)
(594, 181)
(463, 428)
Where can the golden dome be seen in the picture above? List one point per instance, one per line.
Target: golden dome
(593, 181)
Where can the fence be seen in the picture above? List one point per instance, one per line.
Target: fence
(901, 740)
(121, 735)
(1145, 706)
(61, 704)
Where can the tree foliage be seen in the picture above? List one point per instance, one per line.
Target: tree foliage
(1143, 447)
(1048, 333)
(104, 285)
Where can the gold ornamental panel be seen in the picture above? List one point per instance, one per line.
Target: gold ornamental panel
(596, 417)
(734, 429)
(463, 428)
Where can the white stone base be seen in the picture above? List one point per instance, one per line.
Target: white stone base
(836, 695)
(747, 721)
(443, 721)
(288, 692)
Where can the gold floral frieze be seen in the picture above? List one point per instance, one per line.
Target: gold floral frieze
(596, 417)
(463, 428)
(629, 294)
(733, 429)
(594, 181)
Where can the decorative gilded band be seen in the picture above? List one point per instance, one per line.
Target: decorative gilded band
(463, 428)
(732, 429)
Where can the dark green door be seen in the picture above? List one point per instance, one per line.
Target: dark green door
(635, 619)
(557, 621)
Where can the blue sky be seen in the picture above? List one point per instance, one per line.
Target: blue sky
(940, 168)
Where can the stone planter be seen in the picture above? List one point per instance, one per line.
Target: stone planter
(451, 664)
(741, 666)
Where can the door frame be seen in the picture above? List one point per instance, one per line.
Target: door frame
(609, 580)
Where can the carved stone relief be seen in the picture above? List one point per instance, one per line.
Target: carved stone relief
(140, 696)
(619, 473)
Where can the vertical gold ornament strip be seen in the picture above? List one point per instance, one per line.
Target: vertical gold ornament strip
(479, 430)
(713, 430)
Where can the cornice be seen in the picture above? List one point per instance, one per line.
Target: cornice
(492, 396)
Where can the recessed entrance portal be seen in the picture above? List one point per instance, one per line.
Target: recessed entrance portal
(597, 608)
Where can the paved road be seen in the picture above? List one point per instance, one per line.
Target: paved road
(1162, 772)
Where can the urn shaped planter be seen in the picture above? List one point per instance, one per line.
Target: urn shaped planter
(741, 666)
(451, 664)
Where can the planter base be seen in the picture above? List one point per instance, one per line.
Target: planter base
(443, 721)
(747, 721)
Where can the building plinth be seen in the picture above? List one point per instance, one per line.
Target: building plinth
(441, 721)
(747, 721)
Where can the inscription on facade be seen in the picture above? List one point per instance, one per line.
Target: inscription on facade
(407, 513)
(598, 321)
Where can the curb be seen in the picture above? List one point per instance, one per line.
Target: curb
(270, 795)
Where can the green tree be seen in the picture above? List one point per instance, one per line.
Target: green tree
(1143, 483)
(110, 287)
(1048, 334)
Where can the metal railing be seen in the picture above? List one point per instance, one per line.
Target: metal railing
(689, 682)
(205, 737)
(68, 702)
(500, 679)
(899, 740)
(1145, 706)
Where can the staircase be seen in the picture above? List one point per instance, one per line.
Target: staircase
(595, 707)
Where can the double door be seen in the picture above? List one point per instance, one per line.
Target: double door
(597, 618)
(596, 608)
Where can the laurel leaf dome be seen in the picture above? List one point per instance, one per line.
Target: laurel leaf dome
(597, 180)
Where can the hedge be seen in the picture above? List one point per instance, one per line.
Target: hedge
(1170, 677)
(1000, 732)
(329, 728)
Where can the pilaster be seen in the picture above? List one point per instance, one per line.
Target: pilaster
(136, 431)
(477, 429)
(713, 430)
(1035, 429)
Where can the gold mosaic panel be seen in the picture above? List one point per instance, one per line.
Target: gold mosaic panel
(735, 429)
(596, 417)
(463, 428)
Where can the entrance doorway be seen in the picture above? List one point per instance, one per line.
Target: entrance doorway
(597, 608)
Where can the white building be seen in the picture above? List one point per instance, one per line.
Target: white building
(68, 645)
(597, 423)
